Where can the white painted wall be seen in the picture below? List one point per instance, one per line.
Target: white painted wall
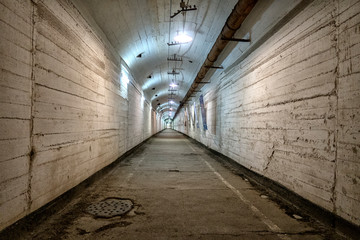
(64, 112)
(290, 109)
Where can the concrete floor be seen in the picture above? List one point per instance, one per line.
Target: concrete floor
(179, 192)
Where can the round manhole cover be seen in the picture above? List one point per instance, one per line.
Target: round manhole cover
(110, 207)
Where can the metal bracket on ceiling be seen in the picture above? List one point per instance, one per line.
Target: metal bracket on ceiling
(173, 72)
(216, 67)
(175, 59)
(202, 82)
(235, 39)
(175, 43)
(184, 8)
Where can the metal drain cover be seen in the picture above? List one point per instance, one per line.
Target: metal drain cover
(110, 207)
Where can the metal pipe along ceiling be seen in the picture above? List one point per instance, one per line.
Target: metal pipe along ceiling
(232, 24)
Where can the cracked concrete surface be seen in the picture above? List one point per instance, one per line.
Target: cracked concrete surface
(179, 192)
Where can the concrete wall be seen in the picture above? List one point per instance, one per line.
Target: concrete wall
(64, 113)
(289, 108)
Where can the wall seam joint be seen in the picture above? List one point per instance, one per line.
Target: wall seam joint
(333, 197)
(32, 78)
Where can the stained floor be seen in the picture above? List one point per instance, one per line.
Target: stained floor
(178, 191)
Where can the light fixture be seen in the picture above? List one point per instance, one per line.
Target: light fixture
(172, 102)
(170, 109)
(182, 38)
(173, 85)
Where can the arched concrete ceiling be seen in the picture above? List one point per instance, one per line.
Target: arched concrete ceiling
(143, 27)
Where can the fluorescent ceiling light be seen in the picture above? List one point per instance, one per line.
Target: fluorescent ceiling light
(182, 38)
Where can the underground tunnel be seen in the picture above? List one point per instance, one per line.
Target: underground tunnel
(180, 119)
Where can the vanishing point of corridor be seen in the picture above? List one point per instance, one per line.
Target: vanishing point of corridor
(179, 190)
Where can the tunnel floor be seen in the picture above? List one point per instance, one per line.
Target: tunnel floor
(178, 191)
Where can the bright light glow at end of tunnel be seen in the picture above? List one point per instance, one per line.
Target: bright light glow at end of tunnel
(183, 38)
(173, 85)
